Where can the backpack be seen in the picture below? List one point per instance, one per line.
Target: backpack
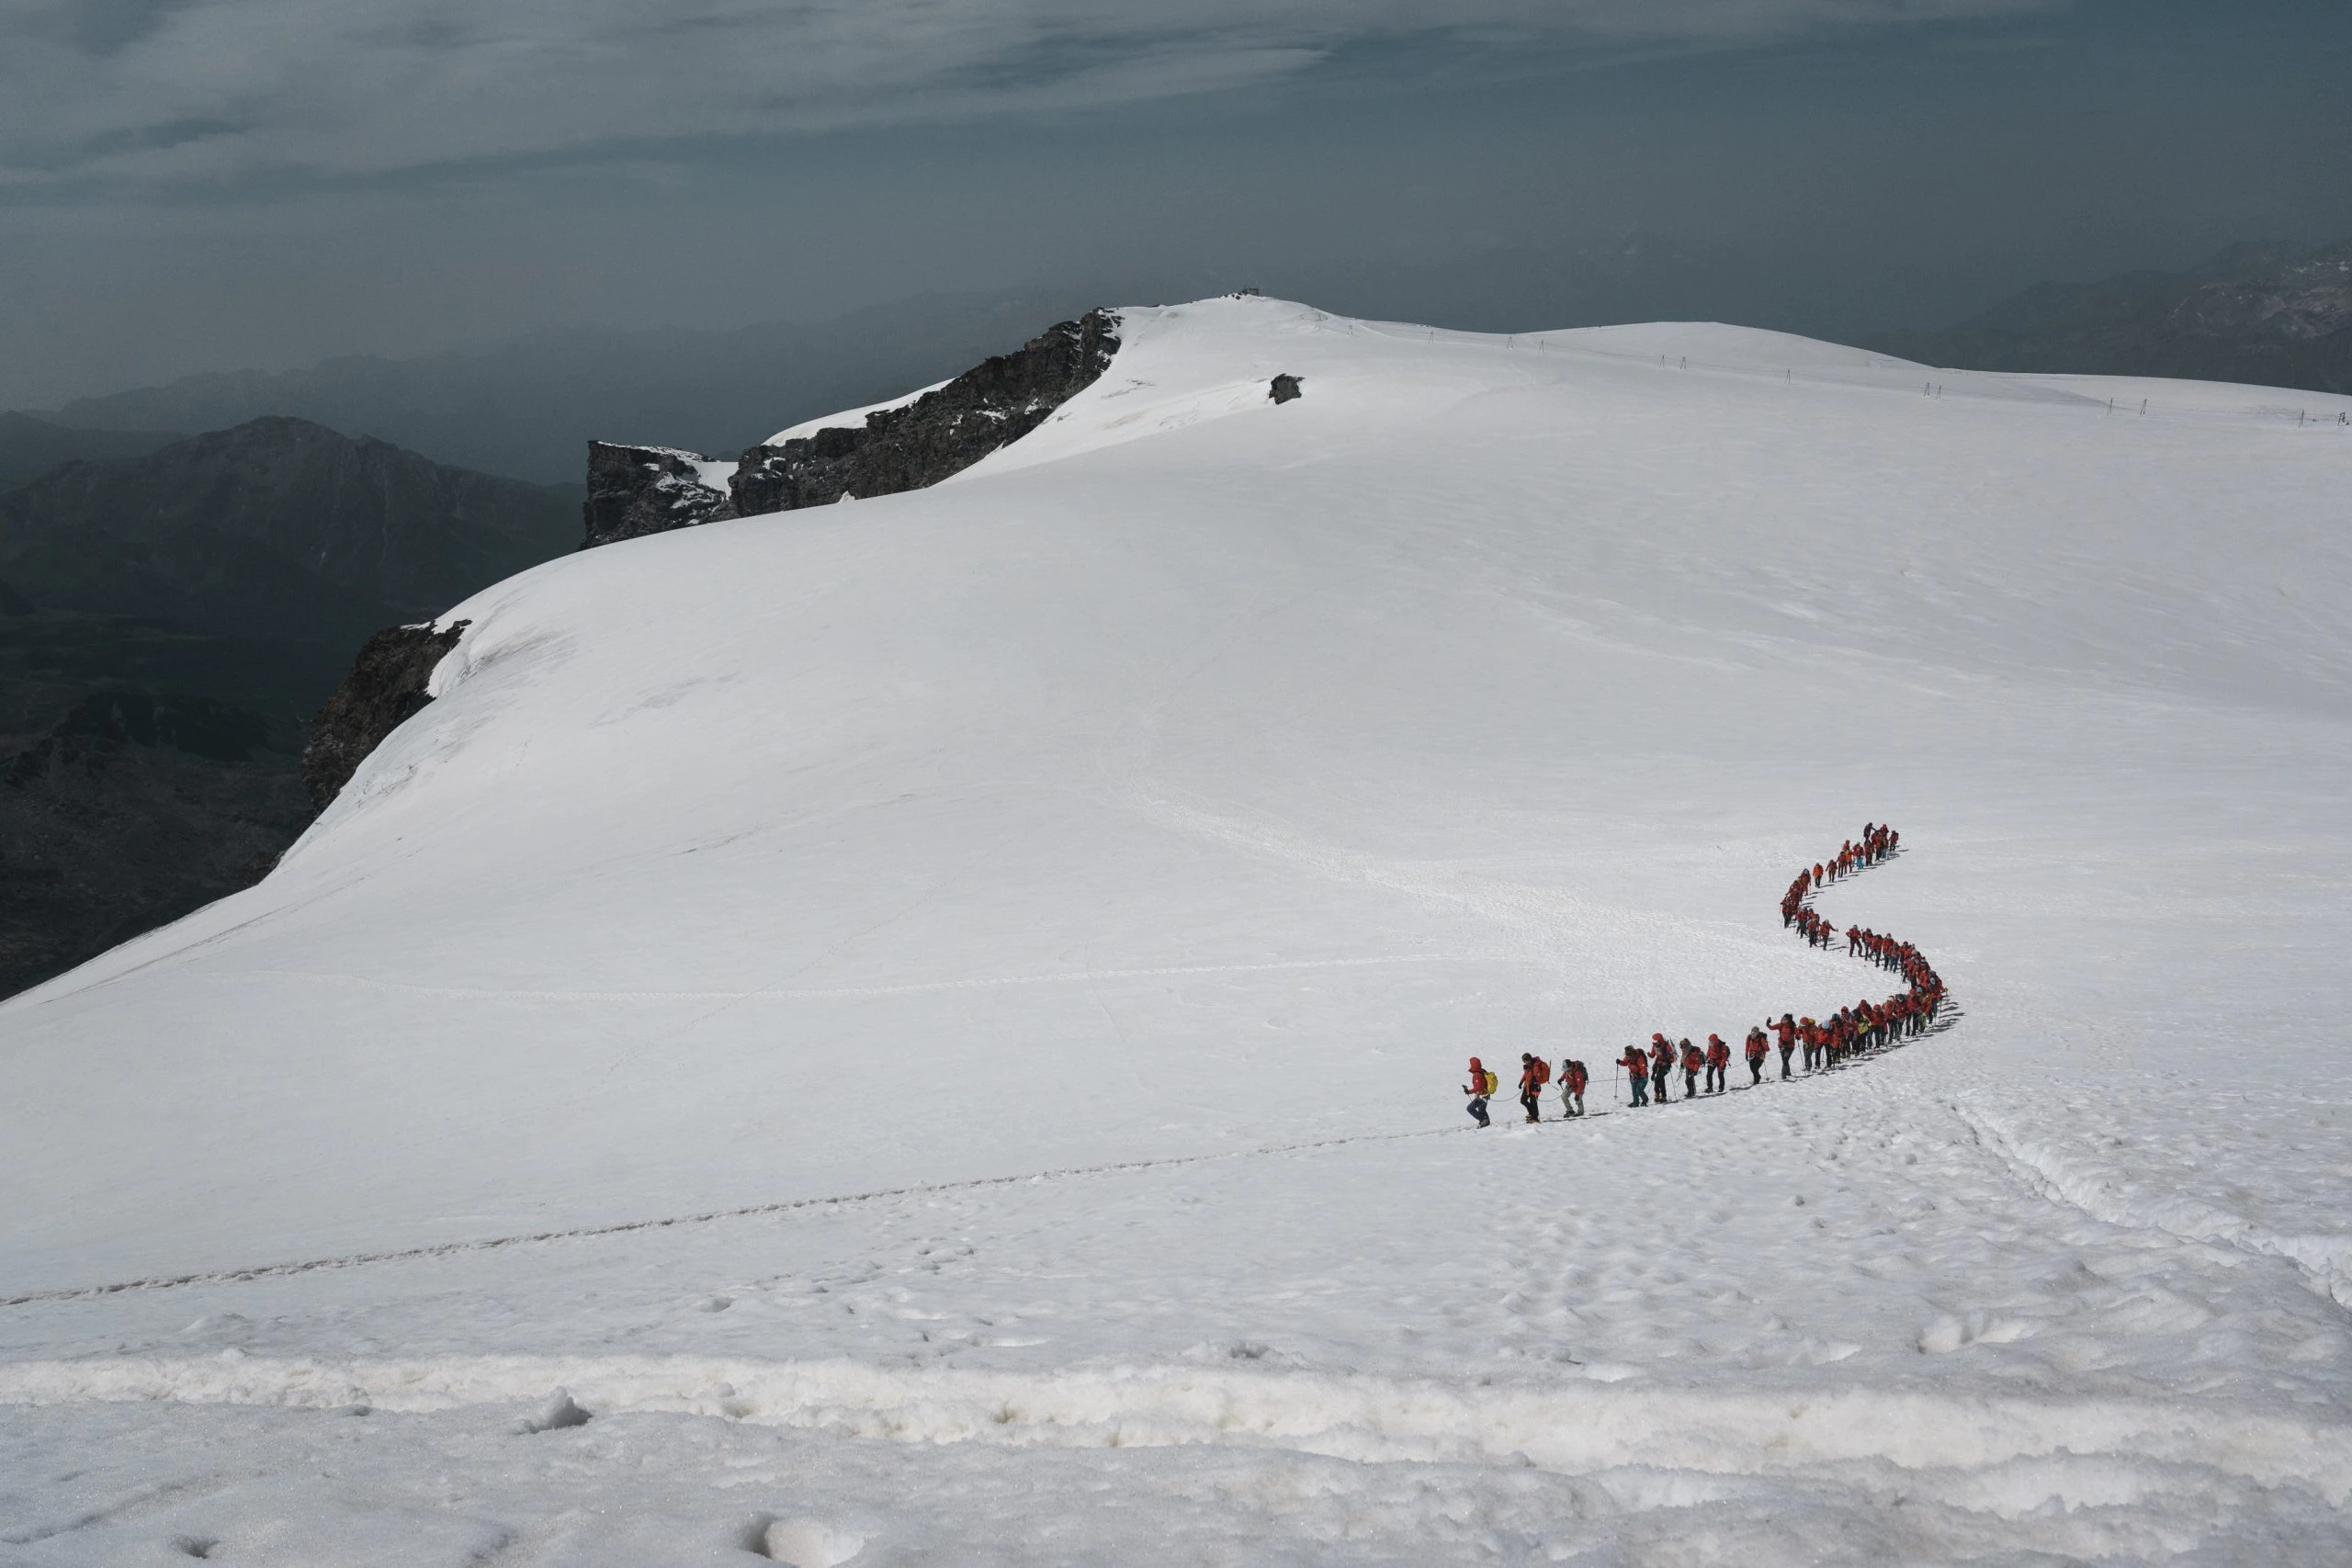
(1543, 1072)
(1489, 1082)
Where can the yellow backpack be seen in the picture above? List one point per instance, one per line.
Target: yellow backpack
(1491, 1082)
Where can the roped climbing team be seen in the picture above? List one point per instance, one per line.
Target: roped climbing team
(1851, 1031)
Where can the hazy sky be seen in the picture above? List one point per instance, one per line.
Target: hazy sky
(209, 184)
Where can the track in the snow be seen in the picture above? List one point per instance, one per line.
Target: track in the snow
(625, 1228)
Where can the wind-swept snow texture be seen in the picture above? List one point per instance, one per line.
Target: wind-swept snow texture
(1026, 934)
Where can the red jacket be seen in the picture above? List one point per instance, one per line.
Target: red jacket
(1573, 1074)
(1717, 1051)
(1693, 1059)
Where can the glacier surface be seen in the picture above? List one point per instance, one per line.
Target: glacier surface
(935, 1023)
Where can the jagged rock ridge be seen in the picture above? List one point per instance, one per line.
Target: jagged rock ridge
(385, 689)
(635, 491)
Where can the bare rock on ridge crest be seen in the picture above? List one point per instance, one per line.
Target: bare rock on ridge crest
(385, 689)
(634, 490)
(650, 489)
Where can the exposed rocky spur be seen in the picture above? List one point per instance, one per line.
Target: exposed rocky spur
(385, 689)
(635, 491)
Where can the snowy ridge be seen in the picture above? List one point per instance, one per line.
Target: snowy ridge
(1567, 1429)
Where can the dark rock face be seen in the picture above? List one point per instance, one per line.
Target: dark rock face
(127, 812)
(944, 432)
(634, 490)
(651, 490)
(384, 690)
(1285, 388)
(2271, 315)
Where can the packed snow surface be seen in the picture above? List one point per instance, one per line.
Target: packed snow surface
(930, 1031)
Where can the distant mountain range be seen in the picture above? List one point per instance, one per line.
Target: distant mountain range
(168, 622)
(2275, 315)
(31, 446)
(530, 407)
(278, 523)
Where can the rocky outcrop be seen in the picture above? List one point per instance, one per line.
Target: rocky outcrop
(1285, 388)
(385, 689)
(944, 432)
(634, 490)
(651, 490)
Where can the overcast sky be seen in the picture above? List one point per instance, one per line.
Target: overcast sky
(193, 185)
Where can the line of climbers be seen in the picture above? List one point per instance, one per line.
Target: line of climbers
(1851, 1031)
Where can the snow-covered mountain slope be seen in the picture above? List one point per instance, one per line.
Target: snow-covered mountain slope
(1200, 776)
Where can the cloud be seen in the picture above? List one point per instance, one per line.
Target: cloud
(180, 90)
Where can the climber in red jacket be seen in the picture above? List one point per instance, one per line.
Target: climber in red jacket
(1573, 1078)
(1637, 1068)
